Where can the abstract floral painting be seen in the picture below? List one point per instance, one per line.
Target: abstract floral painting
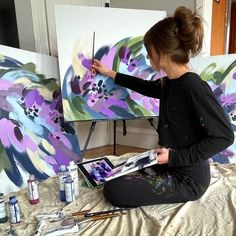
(33, 136)
(119, 44)
(220, 73)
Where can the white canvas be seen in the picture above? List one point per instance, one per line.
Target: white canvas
(75, 26)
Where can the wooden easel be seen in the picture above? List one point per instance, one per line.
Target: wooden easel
(92, 127)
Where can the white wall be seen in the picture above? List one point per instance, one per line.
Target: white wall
(99, 135)
(166, 5)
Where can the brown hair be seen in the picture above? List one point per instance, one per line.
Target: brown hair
(176, 36)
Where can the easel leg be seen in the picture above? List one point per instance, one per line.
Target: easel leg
(151, 121)
(88, 138)
(114, 137)
(124, 128)
(124, 133)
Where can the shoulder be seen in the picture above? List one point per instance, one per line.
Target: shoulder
(193, 83)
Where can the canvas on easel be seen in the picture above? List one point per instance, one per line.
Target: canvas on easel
(119, 44)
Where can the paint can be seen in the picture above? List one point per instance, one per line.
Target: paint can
(33, 192)
(62, 173)
(14, 210)
(3, 213)
(69, 189)
(73, 170)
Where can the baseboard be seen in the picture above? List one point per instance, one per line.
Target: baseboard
(103, 135)
(137, 137)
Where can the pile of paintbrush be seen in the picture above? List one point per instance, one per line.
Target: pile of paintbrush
(72, 223)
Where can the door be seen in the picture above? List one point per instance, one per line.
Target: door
(232, 36)
(218, 29)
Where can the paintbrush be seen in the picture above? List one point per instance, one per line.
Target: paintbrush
(109, 212)
(99, 217)
(93, 49)
(80, 213)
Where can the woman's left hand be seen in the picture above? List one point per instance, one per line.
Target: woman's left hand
(162, 155)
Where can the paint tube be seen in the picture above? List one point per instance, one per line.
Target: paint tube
(62, 230)
(33, 190)
(14, 210)
(40, 228)
(69, 189)
(57, 215)
(62, 173)
(73, 170)
(3, 213)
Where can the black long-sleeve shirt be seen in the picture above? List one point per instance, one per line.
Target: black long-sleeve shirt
(191, 121)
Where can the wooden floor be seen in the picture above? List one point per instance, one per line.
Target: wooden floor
(109, 150)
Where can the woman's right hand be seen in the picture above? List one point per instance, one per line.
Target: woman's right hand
(102, 69)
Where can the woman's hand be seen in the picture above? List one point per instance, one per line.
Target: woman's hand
(102, 69)
(162, 155)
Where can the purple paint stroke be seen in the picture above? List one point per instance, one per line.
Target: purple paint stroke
(228, 99)
(50, 160)
(124, 54)
(56, 101)
(5, 84)
(108, 58)
(7, 90)
(8, 137)
(132, 65)
(33, 96)
(234, 75)
(87, 63)
(116, 102)
(75, 85)
(149, 104)
(42, 111)
(54, 137)
(227, 153)
(63, 154)
(87, 78)
(99, 103)
(103, 106)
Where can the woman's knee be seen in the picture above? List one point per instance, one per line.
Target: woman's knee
(111, 193)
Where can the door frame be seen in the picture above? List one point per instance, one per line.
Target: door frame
(204, 8)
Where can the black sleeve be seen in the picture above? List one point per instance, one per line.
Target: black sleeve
(145, 87)
(215, 125)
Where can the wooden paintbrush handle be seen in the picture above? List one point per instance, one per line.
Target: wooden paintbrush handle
(80, 213)
(101, 217)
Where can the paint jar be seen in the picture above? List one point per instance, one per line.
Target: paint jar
(69, 189)
(14, 210)
(73, 170)
(33, 192)
(3, 213)
(62, 173)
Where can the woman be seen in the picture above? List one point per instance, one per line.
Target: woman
(192, 125)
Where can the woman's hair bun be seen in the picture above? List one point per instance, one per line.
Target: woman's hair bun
(189, 29)
(182, 14)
